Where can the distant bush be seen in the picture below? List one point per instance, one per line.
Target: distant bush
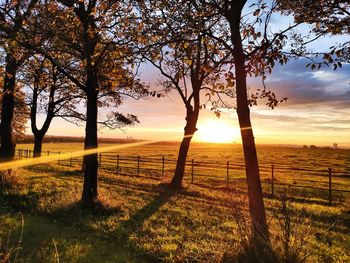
(313, 147)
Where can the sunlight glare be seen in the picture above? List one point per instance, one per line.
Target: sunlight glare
(217, 131)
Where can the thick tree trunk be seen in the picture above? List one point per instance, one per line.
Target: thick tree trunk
(90, 194)
(38, 142)
(190, 129)
(255, 195)
(7, 149)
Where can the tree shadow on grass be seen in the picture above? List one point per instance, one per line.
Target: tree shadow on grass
(249, 254)
(69, 173)
(135, 222)
(120, 238)
(73, 225)
(45, 240)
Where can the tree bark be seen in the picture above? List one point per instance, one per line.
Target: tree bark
(38, 142)
(190, 129)
(255, 196)
(7, 149)
(90, 193)
(176, 182)
(90, 39)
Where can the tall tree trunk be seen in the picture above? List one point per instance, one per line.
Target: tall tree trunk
(91, 162)
(90, 39)
(190, 129)
(7, 149)
(260, 230)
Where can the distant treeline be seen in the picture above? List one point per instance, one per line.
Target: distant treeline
(51, 138)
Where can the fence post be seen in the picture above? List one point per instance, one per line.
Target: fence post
(163, 166)
(227, 173)
(192, 172)
(330, 185)
(99, 160)
(58, 162)
(70, 161)
(48, 153)
(117, 163)
(272, 179)
(138, 165)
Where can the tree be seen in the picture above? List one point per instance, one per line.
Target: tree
(255, 48)
(13, 14)
(94, 34)
(49, 92)
(190, 62)
(256, 204)
(328, 18)
(20, 114)
(18, 125)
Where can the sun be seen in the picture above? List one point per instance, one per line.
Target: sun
(217, 131)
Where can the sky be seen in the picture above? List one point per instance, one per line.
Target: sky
(317, 111)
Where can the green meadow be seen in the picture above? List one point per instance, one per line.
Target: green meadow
(139, 220)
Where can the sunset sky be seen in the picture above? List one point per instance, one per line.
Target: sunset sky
(317, 111)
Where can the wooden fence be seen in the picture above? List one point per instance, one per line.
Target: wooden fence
(328, 181)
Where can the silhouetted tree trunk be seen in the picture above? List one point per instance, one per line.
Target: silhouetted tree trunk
(13, 15)
(255, 195)
(39, 134)
(91, 161)
(190, 129)
(7, 149)
(38, 143)
(90, 193)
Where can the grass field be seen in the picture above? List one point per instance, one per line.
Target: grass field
(297, 167)
(139, 220)
(298, 157)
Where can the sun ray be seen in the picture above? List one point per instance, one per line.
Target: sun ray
(55, 157)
